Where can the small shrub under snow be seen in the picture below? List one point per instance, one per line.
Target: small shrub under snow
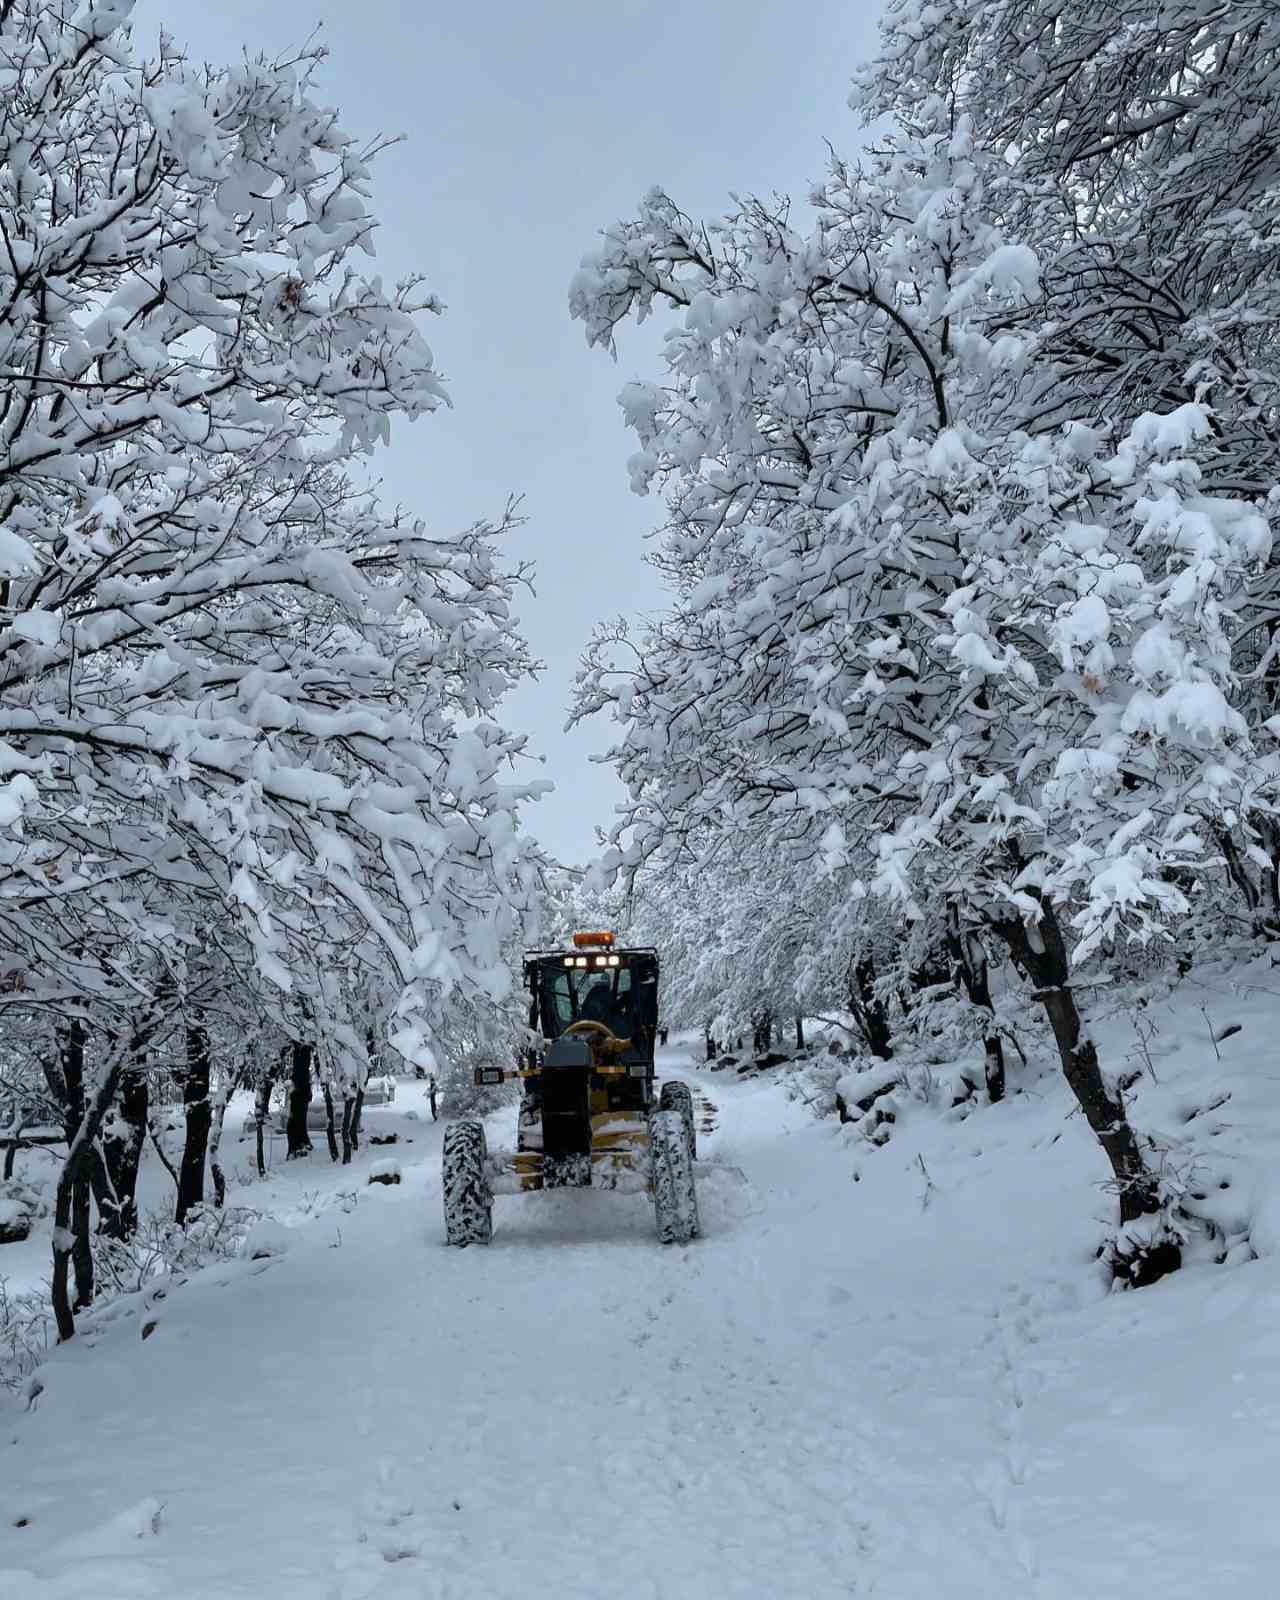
(20, 1204)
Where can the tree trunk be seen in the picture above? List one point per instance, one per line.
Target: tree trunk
(868, 1008)
(215, 1142)
(261, 1110)
(71, 1200)
(799, 1031)
(374, 1057)
(993, 1066)
(81, 1249)
(199, 1115)
(99, 1182)
(348, 1107)
(1041, 953)
(71, 1062)
(122, 1149)
(356, 1113)
(330, 1131)
(970, 956)
(299, 1139)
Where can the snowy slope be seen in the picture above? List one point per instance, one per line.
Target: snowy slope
(290, 1192)
(910, 1386)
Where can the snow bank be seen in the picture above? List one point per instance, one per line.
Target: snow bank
(858, 1088)
(265, 1238)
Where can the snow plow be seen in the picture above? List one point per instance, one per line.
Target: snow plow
(590, 1111)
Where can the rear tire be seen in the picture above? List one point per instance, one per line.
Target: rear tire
(675, 1198)
(468, 1199)
(677, 1097)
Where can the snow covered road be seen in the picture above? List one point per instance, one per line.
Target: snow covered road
(844, 1388)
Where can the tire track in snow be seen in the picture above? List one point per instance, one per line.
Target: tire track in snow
(870, 1490)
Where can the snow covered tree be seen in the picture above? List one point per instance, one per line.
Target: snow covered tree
(1139, 156)
(929, 603)
(731, 936)
(228, 675)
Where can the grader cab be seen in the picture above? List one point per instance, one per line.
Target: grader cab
(589, 1115)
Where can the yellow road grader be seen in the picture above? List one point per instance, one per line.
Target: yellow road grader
(590, 1111)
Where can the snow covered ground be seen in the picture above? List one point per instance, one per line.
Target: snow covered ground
(911, 1385)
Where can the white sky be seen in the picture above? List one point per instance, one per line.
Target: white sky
(528, 127)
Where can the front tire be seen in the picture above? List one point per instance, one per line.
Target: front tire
(468, 1199)
(675, 1198)
(677, 1097)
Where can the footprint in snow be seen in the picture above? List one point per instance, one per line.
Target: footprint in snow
(389, 1524)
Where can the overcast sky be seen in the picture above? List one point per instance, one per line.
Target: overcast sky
(527, 128)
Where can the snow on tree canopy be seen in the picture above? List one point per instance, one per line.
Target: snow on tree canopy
(233, 682)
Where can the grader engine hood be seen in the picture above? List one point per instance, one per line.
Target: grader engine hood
(568, 1052)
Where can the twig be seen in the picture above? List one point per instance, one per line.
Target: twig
(1008, 1033)
(1143, 1029)
(151, 1129)
(930, 1187)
